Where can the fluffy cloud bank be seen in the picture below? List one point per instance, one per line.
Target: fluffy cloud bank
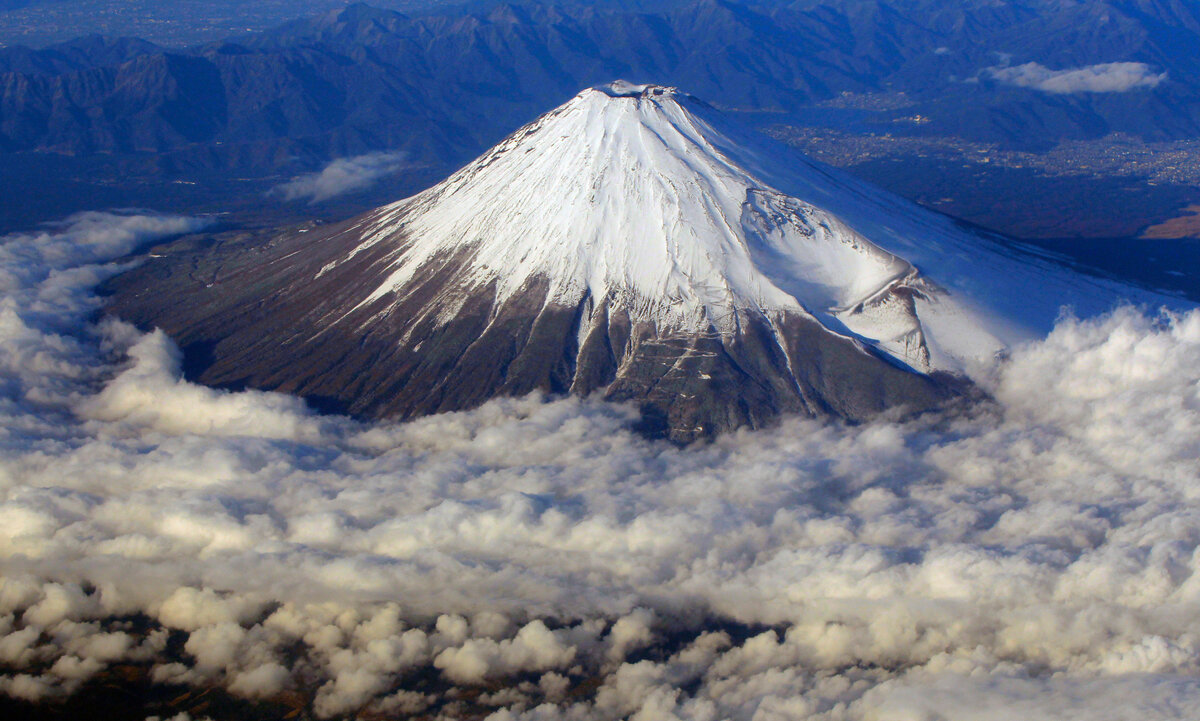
(1033, 557)
(1101, 78)
(342, 176)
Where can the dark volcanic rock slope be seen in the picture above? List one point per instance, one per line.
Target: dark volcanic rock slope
(631, 243)
(264, 320)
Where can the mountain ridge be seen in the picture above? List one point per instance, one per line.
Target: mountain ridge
(397, 70)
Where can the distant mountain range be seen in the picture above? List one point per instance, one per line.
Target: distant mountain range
(445, 87)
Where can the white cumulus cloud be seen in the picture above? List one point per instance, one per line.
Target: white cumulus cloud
(1100, 78)
(1034, 556)
(342, 176)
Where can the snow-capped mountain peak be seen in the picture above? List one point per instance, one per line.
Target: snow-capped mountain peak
(633, 242)
(625, 193)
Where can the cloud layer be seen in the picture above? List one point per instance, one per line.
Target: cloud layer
(1036, 556)
(342, 176)
(1101, 78)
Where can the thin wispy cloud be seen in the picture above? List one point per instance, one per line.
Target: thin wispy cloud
(535, 559)
(342, 176)
(1101, 78)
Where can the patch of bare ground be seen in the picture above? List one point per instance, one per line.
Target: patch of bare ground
(1184, 226)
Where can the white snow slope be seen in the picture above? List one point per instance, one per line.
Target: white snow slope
(651, 199)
